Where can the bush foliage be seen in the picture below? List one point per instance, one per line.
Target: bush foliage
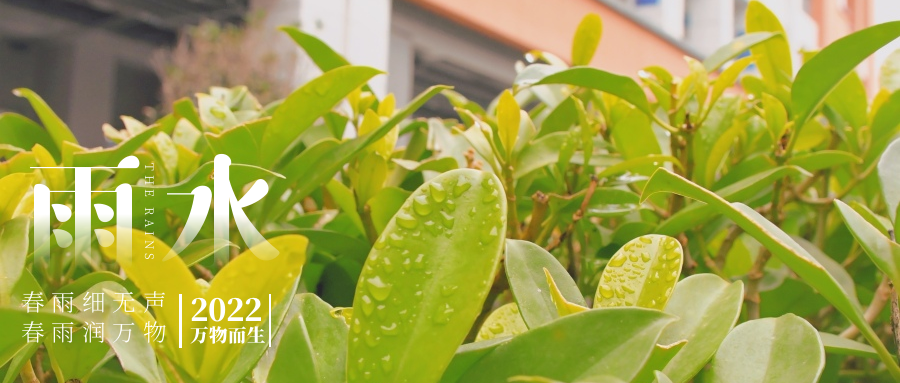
(586, 226)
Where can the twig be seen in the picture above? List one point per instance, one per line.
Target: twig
(27, 373)
(895, 310)
(726, 246)
(879, 300)
(538, 212)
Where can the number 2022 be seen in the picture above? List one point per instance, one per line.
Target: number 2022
(217, 310)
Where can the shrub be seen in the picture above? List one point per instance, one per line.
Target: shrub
(467, 255)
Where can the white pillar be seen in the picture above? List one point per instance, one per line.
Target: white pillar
(710, 24)
(667, 15)
(358, 29)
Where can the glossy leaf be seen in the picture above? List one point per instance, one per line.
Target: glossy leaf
(642, 273)
(883, 252)
(620, 86)
(835, 344)
(467, 355)
(773, 56)
(314, 345)
(888, 169)
(563, 306)
(55, 126)
(784, 349)
(824, 71)
(565, 349)
(525, 265)
(696, 214)
(708, 308)
(426, 278)
(305, 105)
(21, 132)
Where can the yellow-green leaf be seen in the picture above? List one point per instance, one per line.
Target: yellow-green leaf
(587, 36)
(642, 273)
(504, 321)
(508, 121)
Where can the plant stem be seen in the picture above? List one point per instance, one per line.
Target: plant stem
(27, 373)
(537, 216)
(512, 206)
(879, 300)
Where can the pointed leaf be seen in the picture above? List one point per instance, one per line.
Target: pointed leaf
(883, 252)
(733, 49)
(822, 73)
(587, 36)
(525, 265)
(620, 86)
(707, 308)
(55, 126)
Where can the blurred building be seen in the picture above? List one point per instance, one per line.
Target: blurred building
(90, 58)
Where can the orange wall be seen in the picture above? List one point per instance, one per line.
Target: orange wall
(836, 21)
(625, 48)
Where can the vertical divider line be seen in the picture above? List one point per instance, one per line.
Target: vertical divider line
(180, 316)
(270, 321)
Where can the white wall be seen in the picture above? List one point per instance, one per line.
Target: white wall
(884, 11)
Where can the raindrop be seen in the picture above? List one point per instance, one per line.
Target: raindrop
(438, 193)
(379, 289)
(421, 205)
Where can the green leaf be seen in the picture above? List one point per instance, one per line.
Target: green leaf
(525, 264)
(55, 126)
(539, 153)
(884, 125)
(888, 169)
(318, 173)
(773, 56)
(824, 71)
(849, 100)
(564, 350)
(633, 136)
(884, 253)
(314, 346)
(623, 87)
(747, 188)
(642, 273)
(776, 116)
(883, 224)
(708, 308)
(136, 355)
(23, 133)
(823, 159)
(662, 354)
(426, 279)
(13, 191)
(835, 344)
(627, 165)
(321, 54)
(563, 306)
(467, 355)
(305, 105)
(14, 249)
(385, 204)
(508, 121)
(784, 349)
(75, 360)
(735, 48)
(780, 244)
(505, 321)
(14, 321)
(586, 39)
(661, 377)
